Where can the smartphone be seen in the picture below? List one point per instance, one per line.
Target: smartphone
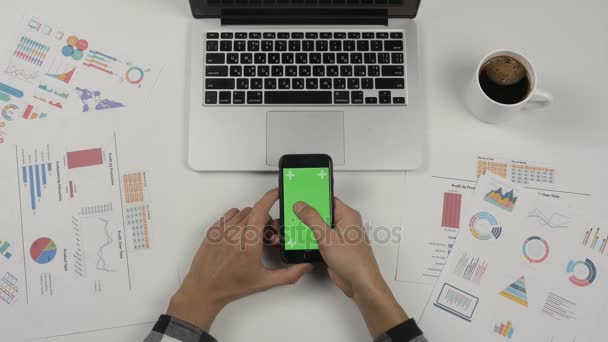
(308, 178)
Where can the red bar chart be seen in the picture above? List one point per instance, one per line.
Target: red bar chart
(451, 210)
(85, 158)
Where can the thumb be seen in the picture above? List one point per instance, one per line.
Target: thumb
(310, 216)
(286, 276)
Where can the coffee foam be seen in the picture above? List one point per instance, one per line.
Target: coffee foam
(504, 70)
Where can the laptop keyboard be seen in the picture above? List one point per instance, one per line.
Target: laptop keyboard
(305, 68)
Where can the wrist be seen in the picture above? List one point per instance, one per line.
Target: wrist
(194, 307)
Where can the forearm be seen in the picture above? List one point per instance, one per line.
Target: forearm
(379, 308)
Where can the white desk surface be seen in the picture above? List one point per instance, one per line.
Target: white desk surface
(566, 40)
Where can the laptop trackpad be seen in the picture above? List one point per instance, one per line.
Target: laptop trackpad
(304, 132)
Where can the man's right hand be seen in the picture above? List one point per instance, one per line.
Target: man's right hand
(352, 266)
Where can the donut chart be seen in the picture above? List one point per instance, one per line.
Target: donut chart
(483, 226)
(574, 269)
(535, 249)
(43, 250)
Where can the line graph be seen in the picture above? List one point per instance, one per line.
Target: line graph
(555, 220)
(101, 261)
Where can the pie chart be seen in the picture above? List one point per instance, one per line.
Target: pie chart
(43, 250)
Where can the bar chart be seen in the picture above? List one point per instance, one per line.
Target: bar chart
(36, 173)
(451, 210)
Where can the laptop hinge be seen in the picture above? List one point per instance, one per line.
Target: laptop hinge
(304, 16)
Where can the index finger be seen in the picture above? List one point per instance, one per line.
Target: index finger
(259, 215)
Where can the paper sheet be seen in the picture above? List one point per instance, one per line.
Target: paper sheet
(52, 71)
(518, 273)
(434, 205)
(77, 233)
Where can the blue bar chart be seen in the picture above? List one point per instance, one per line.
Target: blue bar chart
(36, 172)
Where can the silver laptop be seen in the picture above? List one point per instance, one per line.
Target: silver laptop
(275, 77)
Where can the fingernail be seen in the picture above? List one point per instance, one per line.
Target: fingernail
(299, 206)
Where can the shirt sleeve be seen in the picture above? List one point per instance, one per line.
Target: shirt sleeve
(407, 331)
(171, 329)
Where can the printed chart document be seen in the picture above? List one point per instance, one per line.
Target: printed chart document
(435, 202)
(78, 248)
(50, 71)
(519, 272)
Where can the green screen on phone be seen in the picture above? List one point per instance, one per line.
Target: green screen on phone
(310, 185)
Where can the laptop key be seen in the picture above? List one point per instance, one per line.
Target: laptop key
(226, 35)
(312, 83)
(382, 35)
(399, 100)
(373, 70)
(263, 70)
(212, 45)
(216, 70)
(240, 35)
(283, 35)
(238, 97)
(342, 58)
(356, 58)
(349, 45)
(257, 83)
(236, 70)
(354, 35)
(274, 58)
(325, 35)
(253, 45)
(346, 70)
(393, 45)
(362, 45)
(339, 35)
(396, 58)
(325, 83)
(392, 70)
(297, 83)
(353, 83)
(368, 35)
(277, 70)
(269, 35)
(376, 45)
(225, 97)
(254, 97)
(240, 45)
(297, 35)
(287, 58)
(384, 58)
(301, 58)
(219, 83)
(396, 35)
(371, 100)
(308, 45)
(304, 70)
(390, 83)
(267, 45)
(294, 45)
(233, 58)
(284, 83)
(356, 97)
(255, 35)
(333, 70)
(369, 58)
(270, 83)
(211, 97)
(297, 97)
(360, 70)
(339, 83)
(314, 58)
(291, 70)
(246, 58)
(311, 35)
(385, 96)
(341, 97)
(212, 35)
(215, 58)
(329, 58)
(280, 45)
(335, 45)
(367, 83)
(242, 83)
(259, 58)
(321, 45)
(318, 70)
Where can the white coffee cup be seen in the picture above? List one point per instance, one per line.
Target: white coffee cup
(490, 111)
